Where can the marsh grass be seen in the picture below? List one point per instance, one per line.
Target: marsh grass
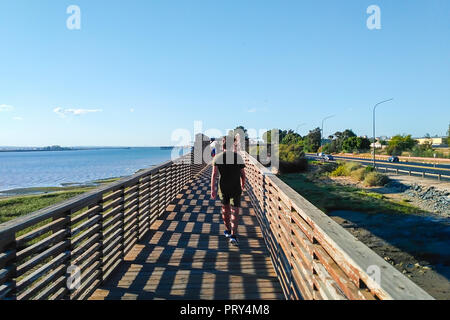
(330, 197)
(11, 208)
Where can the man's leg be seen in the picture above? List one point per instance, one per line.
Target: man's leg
(235, 211)
(226, 212)
(234, 220)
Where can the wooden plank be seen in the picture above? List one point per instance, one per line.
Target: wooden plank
(345, 284)
(52, 226)
(52, 251)
(53, 264)
(41, 284)
(327, 283)
(42, 245)
(88, 214)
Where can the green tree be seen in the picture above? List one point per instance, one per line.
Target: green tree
(267, 136)
(354, 143)
(239, 129)
(350, 144)
(400, 143)
(448, 135)
(292, 138)
(340, 137)
(291, 153)
(312, 140)
(423, 150)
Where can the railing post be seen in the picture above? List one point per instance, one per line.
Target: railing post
(139, 216)
(101, 238)
(8, 267)
(122, 209)
(191, 165)
(290, 253)
(68, 263)
(161, 183)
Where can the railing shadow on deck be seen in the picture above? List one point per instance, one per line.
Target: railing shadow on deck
(185, 256)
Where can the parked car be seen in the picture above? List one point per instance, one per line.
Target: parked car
(393, 159)
(329, 157)
(321, 154)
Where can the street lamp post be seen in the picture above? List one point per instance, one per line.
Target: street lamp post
(374, 108)
(298, 127)
(321, 132)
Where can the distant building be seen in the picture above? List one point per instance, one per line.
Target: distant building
(378, 144)
(435, 142)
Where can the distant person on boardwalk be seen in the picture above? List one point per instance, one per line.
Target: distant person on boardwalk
(237, 143)
(230, 165)
(214, 146)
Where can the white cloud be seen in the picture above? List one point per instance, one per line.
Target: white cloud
(18, 118)
(5, 107)
(132, 110)
(74, 112)
(252, 110)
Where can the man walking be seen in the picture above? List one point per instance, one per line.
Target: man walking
(230, 166)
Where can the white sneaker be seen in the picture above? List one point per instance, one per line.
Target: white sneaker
(233, 241)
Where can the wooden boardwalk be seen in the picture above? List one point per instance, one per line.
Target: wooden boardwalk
(186, 256)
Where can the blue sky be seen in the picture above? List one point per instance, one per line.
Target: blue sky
(138, 70)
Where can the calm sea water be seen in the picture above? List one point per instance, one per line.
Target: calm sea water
(52, 169)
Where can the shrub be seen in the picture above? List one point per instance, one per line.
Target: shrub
(352, 166)
(298, 165)
(291, 153)
(340, 171)
(375, 179)
(345, 169)
(359, 174)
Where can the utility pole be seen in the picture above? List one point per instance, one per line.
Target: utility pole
(321, 132)
(374, 108)
(298, 127)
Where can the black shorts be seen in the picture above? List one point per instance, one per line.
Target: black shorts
(231, 199)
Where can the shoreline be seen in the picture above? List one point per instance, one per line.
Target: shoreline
(63, 149)
(33, 191)
(38, 149)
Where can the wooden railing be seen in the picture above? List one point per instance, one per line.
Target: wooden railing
(314, 257)
(44, 255)
(66, 251)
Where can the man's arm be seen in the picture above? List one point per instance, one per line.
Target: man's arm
(243, 179)
(213, 182)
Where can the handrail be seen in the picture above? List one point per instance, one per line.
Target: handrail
(27, 220)
(315, 258)
(424, 174)
(67, 250)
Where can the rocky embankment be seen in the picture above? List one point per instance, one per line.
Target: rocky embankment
(429, 197)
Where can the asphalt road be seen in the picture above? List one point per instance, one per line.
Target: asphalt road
(407, 166)
(429, 165)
